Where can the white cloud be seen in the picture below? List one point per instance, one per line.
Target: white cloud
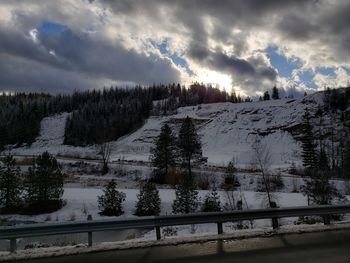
(340, 78)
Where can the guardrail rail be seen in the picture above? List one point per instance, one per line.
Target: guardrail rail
(12, 233)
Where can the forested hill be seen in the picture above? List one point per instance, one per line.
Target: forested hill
(226, 129)
(98, 116)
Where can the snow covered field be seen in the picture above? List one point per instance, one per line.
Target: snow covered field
(83, 201)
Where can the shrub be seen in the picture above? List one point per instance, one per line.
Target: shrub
(148, 203)
(110, 203)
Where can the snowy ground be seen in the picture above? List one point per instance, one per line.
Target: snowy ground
(51, 139)
(227, 130)
(83, 201)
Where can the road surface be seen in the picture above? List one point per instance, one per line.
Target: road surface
(333, 246)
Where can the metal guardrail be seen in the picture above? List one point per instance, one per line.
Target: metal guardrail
(14, 232)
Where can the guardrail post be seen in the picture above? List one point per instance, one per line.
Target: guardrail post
(327, 219)
(89, 218)
(275, 224)
(13, 245)
(158, 233)
(220, 231)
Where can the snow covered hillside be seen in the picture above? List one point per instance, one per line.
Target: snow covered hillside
(51, 139)
(227, 130)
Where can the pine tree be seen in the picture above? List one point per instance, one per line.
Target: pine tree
(10, 185)
(266, 96)
(346, 161)
(323, 162)
(45, 184)
(186, 200)
(230, 178)
(308, 154)
(148, 203)
(319, 189)
(110, 203)
(189, 143)
(163, 155)
(212, 202)
(275, 93)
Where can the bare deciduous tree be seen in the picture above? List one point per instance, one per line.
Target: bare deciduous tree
(262, 160)
(105, 153)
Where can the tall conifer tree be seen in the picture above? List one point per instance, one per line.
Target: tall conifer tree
(163, 155)
(189, 144)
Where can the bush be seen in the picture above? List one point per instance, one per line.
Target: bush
(186, 200)
(277, 182)
(40, 207)
(148, 203)
(203, 182)
(10, 186)
(44, 185)
(211, 202)
(110, 203)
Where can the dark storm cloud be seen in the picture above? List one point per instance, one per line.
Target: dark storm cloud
(87, 59)
(225, 14)
(81, 53)
(60, 60)
(23, 75)
(234, 66)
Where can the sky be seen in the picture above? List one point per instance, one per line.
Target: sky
(246, 45)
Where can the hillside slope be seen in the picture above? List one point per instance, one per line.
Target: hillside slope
(227, 131)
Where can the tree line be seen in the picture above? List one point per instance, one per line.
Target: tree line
(37, 191)
(325, 157)
(99, 115)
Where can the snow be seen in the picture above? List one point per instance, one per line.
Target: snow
(51, 139)
(83, 201)
(227, 130)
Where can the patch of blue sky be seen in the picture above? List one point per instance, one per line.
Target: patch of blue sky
(326, 71)
(49, 27)
(347, 70)
(307, 77)
(284, 66)
(163, 48)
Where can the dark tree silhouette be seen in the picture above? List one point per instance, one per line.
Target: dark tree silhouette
(164, 153)
(44, 185)
(266, 96)
(110, 203)
(10, 185)
(309, 153)
(275, 93)
(189, 143)
(148, 203)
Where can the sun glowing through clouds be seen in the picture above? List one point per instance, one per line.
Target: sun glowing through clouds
(214, 78)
